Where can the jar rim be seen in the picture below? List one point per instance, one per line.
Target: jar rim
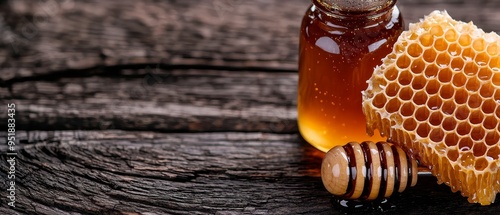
(354, 7)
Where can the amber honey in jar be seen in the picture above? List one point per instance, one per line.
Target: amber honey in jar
(341, 41)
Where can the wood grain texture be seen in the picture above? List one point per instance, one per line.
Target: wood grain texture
(79, 35)
(159, 100)
(124, 172)
(211, 131)
(46, 37)
(92, 172)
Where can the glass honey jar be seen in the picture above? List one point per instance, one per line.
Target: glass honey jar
(341, 42)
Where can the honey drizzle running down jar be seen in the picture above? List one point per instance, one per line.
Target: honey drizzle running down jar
(341, 41)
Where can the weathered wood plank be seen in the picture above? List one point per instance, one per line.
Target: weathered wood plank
(118, 172)
(78, 35)
(114, 171)
(64, 67)
(159, 100)
(42, 37)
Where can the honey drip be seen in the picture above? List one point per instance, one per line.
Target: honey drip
(337, 56)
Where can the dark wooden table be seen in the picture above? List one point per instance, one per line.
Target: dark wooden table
(173, 107)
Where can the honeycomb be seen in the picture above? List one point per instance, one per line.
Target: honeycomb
(438, 96)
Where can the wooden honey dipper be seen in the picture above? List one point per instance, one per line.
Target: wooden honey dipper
(367, 171)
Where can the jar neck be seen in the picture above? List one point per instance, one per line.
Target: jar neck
(354, 8)
(330, 15)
